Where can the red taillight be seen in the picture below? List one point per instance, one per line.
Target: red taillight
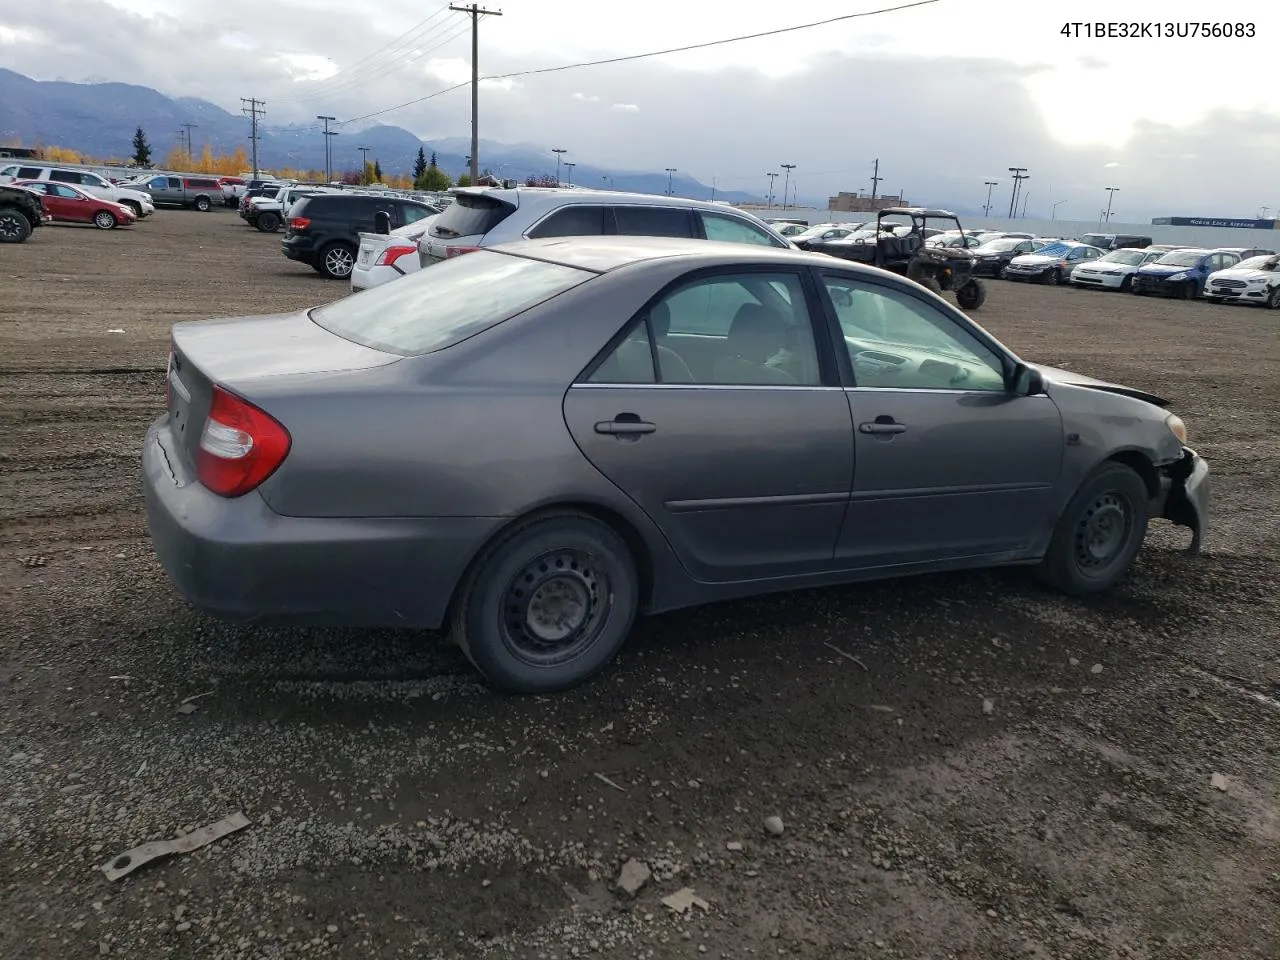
(394, 253)
(240, 446)
(459, 251)
(299, 223)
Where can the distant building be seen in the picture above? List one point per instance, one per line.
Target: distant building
(1216, 222)
(844, 202)
(17, 153)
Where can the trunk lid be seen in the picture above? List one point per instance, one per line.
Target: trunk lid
(233, 352)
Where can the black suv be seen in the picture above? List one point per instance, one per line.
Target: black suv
(21, 211)
(324, 230)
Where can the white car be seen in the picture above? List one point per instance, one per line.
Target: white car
(1256, 280)
(138, 201)
(383, 257)
(1052, 264)
(1115, 270)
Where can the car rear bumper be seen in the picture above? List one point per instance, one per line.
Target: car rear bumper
(294, 250)
(239, 560)
(1185, 495)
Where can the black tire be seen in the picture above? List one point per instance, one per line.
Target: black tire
(204, 204)
(930, 284)
(1187, 291)
(268, 222)
(14, 226)
(1126, 285)
(133, 205)
(1089, 553)
(1053, 277)
(1273, 299)
(510, 615)
(104, 220)
(337, 260)
(972, 295)
(1000, 272)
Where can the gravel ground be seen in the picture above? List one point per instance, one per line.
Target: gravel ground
(962, 766)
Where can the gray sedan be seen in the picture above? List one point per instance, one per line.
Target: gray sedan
(532, 444)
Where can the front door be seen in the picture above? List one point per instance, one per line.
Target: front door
(715, 415)
(64, 203)
(950, 464)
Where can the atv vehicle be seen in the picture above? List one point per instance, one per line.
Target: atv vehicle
(936, 268)
(21, 211)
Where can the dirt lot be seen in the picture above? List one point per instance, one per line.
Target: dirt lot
(401, 810)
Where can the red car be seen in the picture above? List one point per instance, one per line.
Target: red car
(71, 204)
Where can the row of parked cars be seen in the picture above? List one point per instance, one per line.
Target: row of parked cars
(63, 194)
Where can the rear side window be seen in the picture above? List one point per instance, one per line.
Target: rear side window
(64, 176)
(456, 299)
(470, 215)
(575, 221)
(733, 230)
(653, 221)
(28, 173)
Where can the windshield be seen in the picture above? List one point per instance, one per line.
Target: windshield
(446, 303)
(1181, 258)
(1131, 257)
(1270, 264)
(1056, 250)
(1000, 245)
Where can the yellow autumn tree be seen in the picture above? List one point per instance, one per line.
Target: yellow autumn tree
(178, 159)
(207, 163)
(62, 155)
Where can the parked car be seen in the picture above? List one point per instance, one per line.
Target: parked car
(1255, 280)
(265, 190)
(1114, 270)
(1246, 253)
(991, 257)
(483, 216)
(383, 257)
(822, 233)
(67, 204)
(139, 201)
(789, 230)
(178, 190)
(949, 239)
(233, 189)
(268, 213)
(1181, 273)
(480, 445)
(1115, 241)
(1051, 264)
(324, 230)
(21, 212)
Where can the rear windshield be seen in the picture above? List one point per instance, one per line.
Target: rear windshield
(470, 215)
(446, 303)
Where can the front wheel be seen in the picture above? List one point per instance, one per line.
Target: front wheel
(1126, 285)
(972, 295)
(14, 227)
(1187, 291)
(1053, 278)
(1099, 534)
(133, 205)
(548, 604)
(337, 261)
(1273, 299)
(104, 220)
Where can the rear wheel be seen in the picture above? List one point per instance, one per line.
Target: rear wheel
(104, 220)
(972, 295)
(548, 604)
(14, 226)
(268, 222)
(337, 260)
(1100, 533)
(204, 204)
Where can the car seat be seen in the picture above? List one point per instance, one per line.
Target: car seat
(756, 334)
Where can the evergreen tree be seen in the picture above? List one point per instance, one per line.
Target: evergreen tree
(419, 165)
(141, 149)
(377, 172)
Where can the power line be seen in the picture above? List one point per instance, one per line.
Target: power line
(652, 53)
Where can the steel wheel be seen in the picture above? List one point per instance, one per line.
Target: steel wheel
(1102, 531)
(338, 261)
(553, 609)
(104, 220)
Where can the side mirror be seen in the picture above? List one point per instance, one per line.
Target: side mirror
(1027, 381)
(382, 222)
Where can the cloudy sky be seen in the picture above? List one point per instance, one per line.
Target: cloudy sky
(947, 95)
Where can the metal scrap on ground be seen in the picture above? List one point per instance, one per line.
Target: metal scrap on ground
(125, 863)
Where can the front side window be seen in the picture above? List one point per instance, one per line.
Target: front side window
(456, 299)
(897, 341)
(653, 221)
(413, 213)
(65, 192)
(64, 176)
(733, 230)
(572, 221)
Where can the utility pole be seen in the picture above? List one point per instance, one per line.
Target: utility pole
(185, 133)
(254, 109)
(1111, 192)
(786, 183)
(769, 201)
(990, 185)
(328, 164)
(558, 151)
(670, 171)
(714, 176)
(475, 12)
(569, 166)
(364, 165)
(1019, 174)
(875, 180)
(1024, 205)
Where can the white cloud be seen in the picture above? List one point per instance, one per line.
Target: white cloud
(1111, 164)
(587, 97)
(625, 108)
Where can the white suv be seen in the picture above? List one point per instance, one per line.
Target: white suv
(139, 201)
(485, 216)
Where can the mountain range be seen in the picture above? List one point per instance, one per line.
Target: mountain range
(99, 119)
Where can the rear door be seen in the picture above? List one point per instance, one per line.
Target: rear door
(741, 451)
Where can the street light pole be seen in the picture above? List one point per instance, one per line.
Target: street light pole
(364, 164)
(989, 184)
(1111, 192)
(1054, 214)
(713, 186)
(670, 172)
(558, 151)
(769, 199)
(786, 183)
(1019, 174)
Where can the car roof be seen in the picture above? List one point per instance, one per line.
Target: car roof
(552, 196)
(602, 254)
(917, 212)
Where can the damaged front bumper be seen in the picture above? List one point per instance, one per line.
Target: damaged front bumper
(1184, 494)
